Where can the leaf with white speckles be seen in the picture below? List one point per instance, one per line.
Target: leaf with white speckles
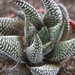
(18, 69)
(64, 50)
(56, 33)
(10, 26)
(31, 13)
(67, 21)
(34, 52)
(44, 35)
(11, 46)
(52, 15)
(46, 69)
(47, 48)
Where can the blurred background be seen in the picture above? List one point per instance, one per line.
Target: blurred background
(8, 8)
(68, 68)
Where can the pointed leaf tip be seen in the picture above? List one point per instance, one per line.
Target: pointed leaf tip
(64, 50)
(34, 52)
(31, 14)
(11, 46)
(52, 15)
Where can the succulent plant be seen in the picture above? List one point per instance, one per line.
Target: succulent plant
(44, 39)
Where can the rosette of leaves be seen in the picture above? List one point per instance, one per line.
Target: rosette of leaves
(44, 39)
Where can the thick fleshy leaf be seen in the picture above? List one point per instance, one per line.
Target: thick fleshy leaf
(34, 52)
(63, 50)
(44, 35)
(28, 33)
(47, 48)
(19, 69)
(46, 69)
(11, 46)
(40, 13)
(52, 15)
(20, 14)
(31, 13)
(56, 32)
(67, 21)
(10, 26)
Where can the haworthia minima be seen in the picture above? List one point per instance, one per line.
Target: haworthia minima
(11, 46)
(52, 15)
(56, 33)
(64, 50)
(67, 21)
(18, 69)
(10, 26)
(46, 69)
(34, 52)
(31, 13)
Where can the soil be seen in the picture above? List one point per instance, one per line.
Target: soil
(68, 66)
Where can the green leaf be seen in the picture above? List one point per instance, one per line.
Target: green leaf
(20, 14)
(10, 26)
(31, 13)
(44, 35)
(28, 33)
(63, 50)
(47, 69)
(34, 52)
(18, 69)
(56, 33)
(47, 48)
(67, 21)
(11, 46)
(52, 15)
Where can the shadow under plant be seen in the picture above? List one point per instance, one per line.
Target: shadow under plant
(44, 39)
